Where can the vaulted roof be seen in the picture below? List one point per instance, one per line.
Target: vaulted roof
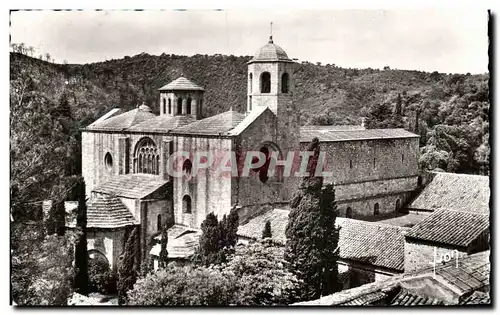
(456, 192)
(216, 125)
(135, 186)
(335, 135)
(123, 121)
(162, 123)
(181, 84)
(456, 228)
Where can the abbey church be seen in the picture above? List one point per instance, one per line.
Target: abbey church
(125, 157)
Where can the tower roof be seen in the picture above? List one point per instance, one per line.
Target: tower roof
(270, 52)
(182, 84)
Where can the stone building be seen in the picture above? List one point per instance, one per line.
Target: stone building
(126, 155)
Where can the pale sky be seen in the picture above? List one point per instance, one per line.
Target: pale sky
(446, 40)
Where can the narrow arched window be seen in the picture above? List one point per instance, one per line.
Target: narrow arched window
(376, 209)
(186, 204)
(284, 83)
(188, 109)
(250, 82)
(179, 106)
(398, 205)
(402, 157)
(374, 165)
(350, 163)
(164, 106)
(158, 222)
(348, 212)
(263, 171)
(250, 103)
(169, 106)
(265, 83)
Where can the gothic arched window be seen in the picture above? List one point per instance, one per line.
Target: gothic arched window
(284, 83)
(186, 204)
(169, 106)
(376, 209)
(265, 83)
(158, 222)
(147, 157)
(188, 109)
(164, 106)
(179, 106)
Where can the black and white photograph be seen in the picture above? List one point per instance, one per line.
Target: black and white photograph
(248, 157)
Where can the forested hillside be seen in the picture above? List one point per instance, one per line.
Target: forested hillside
(50, 102)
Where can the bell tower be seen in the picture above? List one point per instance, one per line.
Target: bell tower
(271, 84)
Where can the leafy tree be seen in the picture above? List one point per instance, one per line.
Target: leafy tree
(127, 269)
(264, 278)
(255, 275)
(183, 286)
(81, 256)
(311, 234)
(266, 233)
(163, 261)
(229, 229)
(101, 278)
(42, 268)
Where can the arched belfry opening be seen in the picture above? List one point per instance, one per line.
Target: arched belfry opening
(285, 78)
(265, 82)
(179, 106)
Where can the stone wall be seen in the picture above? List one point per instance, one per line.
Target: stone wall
(394, 158)
(95, 145)
(419, 254)
(208, 190)
(108, 242)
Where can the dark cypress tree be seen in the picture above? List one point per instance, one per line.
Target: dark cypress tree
(163, 252)
(208, 251)
(266, 233)
(329, 250)
(59, 217)
(311, 219)
(127, 269)
(231, 228)
(81, 256)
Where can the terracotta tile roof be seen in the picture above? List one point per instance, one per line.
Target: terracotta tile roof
(181, 84)
(477, 298)
(134, 186)
(451, 227)
(407, 298)
(216, 125)
(456, 192)
(122, 121)
(476, 266)
(278, 218)
(367, 299)
(326, 135)
(372, 243)
(106, 212)
(162, 123)
(182, 242)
